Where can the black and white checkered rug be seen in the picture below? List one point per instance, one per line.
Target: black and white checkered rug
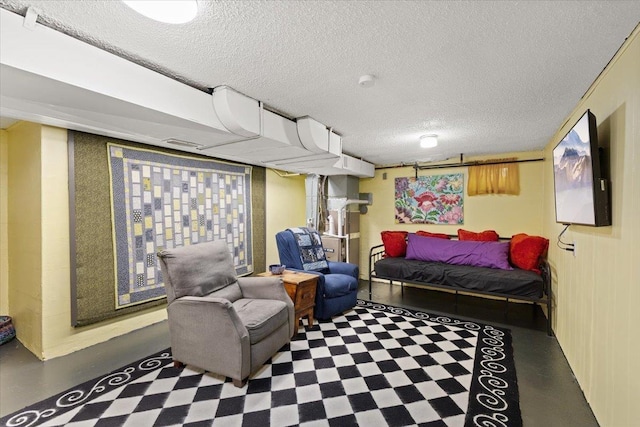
(375, 365)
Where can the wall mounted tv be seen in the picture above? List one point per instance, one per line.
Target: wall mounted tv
(581, 189)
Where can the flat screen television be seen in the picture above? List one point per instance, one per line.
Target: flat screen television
(581, 189)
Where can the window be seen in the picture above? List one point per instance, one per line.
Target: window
(495, 177)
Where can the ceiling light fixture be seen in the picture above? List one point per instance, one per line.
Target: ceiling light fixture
(367, 80)
(428, 141)
(182, 143)
(167, 11)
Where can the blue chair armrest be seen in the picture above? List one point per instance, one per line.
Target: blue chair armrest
(344, 268)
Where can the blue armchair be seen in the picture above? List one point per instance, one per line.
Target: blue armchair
(337, 285)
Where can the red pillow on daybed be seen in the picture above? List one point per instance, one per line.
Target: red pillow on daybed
(525, 251)
(395, 243)
(483, 236)
(437, 235)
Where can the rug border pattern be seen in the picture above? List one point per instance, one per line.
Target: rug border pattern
(67, 400)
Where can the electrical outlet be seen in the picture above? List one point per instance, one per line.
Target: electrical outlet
(575, 249)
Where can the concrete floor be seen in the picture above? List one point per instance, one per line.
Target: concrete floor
(549, 394)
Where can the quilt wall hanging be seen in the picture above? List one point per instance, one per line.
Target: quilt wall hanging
(129, 200)
(162, 201)
(433, 199)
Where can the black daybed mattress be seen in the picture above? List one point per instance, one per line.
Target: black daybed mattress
(516, 282)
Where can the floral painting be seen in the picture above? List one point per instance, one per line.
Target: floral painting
(435, 199)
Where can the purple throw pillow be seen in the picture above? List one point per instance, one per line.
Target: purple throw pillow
(459, 252)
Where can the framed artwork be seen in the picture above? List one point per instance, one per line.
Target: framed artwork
(433, 199)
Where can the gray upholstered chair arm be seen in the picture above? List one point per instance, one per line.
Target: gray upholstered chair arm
(268, 288)
(220, 309)
(201, 324)
(262, 288)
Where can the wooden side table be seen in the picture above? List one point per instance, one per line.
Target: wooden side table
(301, 288)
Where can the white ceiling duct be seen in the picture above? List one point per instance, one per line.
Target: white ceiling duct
(276, 143)
(357, 167)
(237, 112)
(316, 138)
(51, 78)
(346, 165)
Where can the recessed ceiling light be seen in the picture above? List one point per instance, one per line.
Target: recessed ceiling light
(168, 11)
(428, 141)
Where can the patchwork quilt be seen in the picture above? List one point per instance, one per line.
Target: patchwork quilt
(311, 251)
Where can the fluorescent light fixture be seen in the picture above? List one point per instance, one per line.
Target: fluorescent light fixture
(167, 11)
(428, 141)
(182, 143)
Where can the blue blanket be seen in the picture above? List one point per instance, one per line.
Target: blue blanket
(311, 250)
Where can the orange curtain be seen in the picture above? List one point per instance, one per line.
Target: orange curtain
(502, 178)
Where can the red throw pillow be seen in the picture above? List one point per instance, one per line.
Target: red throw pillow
(525, 251)
(484, 236)
(395, 243)
(436, 235)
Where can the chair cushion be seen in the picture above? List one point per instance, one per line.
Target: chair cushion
(261, 316)
(199, 269)
(231, 292)
(337, 285)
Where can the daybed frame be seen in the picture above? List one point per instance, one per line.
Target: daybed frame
(377, 252)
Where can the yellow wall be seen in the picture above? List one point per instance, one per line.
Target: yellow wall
(285, 207)
(24, 234)
(39, 263)
(597, 292)
(36, 277)
(4, 242)
(507, 215)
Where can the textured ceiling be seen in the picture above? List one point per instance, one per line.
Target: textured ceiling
(486, 77)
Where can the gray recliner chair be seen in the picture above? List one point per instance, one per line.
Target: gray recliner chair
(219, 322)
